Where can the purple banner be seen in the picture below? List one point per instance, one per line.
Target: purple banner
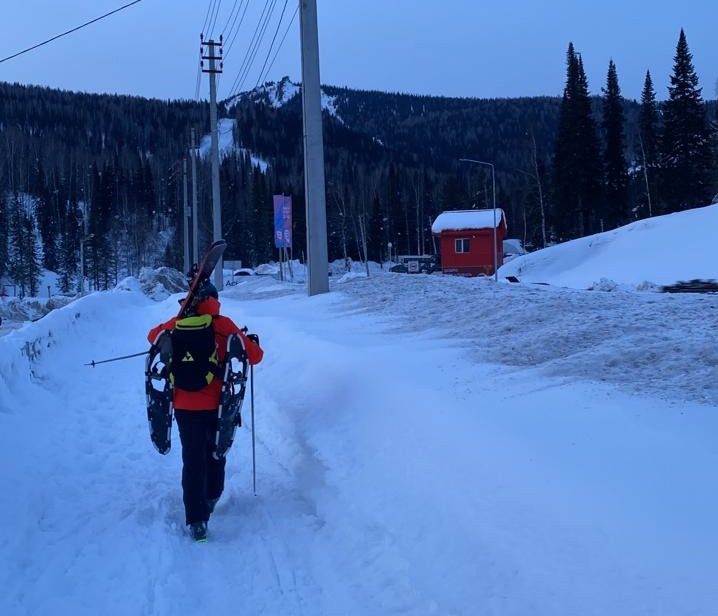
(282, 221)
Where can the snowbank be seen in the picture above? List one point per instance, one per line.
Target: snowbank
(157, 284)
(650, 252)
(30, 309)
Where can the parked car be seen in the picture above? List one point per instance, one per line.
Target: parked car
(416, 264)
(244, 271)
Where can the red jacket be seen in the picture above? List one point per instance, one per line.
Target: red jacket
(208, 398)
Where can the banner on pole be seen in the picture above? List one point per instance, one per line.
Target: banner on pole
(282, 221)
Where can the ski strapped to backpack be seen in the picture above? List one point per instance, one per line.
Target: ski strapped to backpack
(209, 262)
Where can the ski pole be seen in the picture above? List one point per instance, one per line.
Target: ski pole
(254, 459)
(94, 363)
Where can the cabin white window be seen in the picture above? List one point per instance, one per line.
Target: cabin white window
(462, 245)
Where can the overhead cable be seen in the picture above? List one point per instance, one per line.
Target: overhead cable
(54, 38)
(271, 45)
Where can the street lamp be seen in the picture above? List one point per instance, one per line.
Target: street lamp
(493, 193)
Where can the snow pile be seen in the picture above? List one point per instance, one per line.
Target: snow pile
(30, 309)
(157, 284)
(350, 276)
(297, 274)
(267, 269)
(654, 251)
(513, 248)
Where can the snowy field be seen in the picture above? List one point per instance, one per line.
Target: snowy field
(426, 445)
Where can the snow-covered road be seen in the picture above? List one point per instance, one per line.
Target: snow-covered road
(396, 473)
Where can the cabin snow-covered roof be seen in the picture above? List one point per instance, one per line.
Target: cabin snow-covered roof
(462, 220)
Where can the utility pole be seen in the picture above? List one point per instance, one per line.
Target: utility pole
(185, 220)
(314, 188)
(195, 226)
(215, 68)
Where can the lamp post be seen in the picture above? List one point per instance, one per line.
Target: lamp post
(493, 194)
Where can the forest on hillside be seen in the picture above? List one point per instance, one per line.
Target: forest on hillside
(108, 171)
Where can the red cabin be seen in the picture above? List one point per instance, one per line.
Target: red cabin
(466, 241)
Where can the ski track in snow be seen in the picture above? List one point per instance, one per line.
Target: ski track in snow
(395, 475)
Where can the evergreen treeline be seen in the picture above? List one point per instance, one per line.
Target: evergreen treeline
(106, 171)
(605, 177)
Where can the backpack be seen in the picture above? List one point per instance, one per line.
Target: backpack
(194, 362)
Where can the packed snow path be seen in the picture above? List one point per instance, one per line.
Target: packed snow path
(395, 474)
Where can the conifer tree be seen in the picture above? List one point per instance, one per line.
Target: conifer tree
(45, 216)
(68, 257)
(16, 251)
(24, 264)
(33, 259)
(576, 158)
(615, 211)
(685, 146)
(648, 141)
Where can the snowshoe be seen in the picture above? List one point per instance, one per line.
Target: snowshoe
(159, 392)
(234, 386)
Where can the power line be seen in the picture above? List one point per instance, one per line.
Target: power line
(276, 53)
(271, 45)
(214, 22)
(234, 8)
(198, 82)
(257, 46)
(249, 49)
(236, 32)
(54, 38)
(210, 10)
(254, 50)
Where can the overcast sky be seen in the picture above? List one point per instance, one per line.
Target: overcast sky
(452, 47)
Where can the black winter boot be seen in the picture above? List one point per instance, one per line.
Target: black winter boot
(198, 531)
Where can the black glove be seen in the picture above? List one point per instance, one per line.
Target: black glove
(254, 338)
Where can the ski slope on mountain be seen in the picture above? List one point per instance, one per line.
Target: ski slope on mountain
(659, 251)
(398, 472)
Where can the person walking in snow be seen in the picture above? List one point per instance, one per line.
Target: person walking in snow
(196, 411)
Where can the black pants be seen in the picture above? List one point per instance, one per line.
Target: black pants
(202, 475)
